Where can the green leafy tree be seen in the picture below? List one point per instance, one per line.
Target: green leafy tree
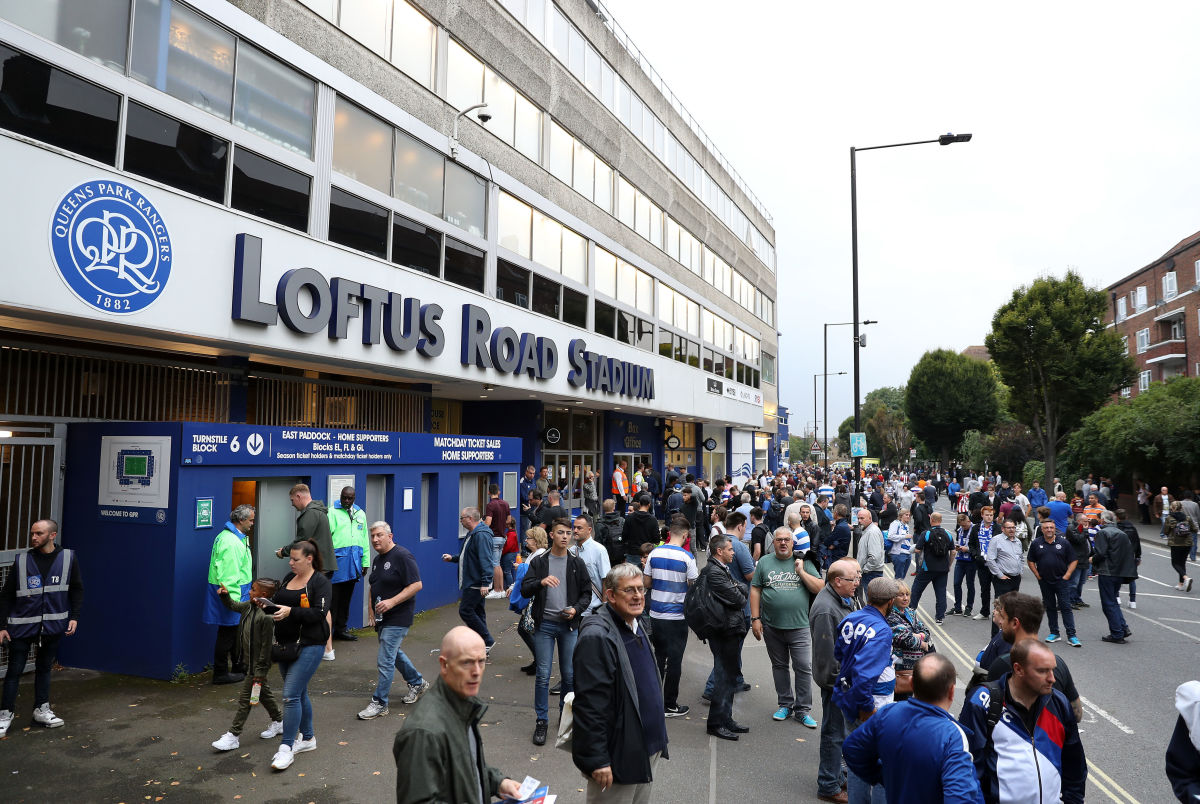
(948, 394)
(1053, 352)
(1154, 435)
(889, 433)
(843, 434)
(1009, 447)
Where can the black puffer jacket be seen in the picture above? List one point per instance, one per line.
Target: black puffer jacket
(725, 591)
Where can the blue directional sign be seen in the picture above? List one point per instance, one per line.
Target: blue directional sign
(858, 445)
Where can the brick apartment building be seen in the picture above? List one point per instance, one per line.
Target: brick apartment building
(1156, 309)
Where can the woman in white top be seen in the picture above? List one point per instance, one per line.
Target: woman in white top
(900, 537)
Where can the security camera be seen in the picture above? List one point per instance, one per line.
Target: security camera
(484, 115)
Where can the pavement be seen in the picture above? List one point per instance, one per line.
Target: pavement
(130, 739)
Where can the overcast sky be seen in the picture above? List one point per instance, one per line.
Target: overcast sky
(1085, 155)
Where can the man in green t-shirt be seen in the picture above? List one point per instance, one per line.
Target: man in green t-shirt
(780, 593)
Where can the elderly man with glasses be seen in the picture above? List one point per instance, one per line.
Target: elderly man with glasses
(829, 608)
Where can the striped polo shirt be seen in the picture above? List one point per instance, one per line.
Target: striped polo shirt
(670, 568)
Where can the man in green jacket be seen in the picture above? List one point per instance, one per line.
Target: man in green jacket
(439, 750)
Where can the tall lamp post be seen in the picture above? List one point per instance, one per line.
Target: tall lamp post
(945, 139)
(826, 384)
(857, 346)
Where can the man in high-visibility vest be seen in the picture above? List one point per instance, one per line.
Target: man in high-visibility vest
(39, 605)
(620, 486)
(231, 566)
(348, 528)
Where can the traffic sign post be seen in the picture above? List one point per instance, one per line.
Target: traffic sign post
(815, 448)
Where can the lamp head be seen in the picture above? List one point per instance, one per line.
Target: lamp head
(947, 139)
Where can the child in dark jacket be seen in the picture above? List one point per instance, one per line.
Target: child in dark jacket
(256, 632)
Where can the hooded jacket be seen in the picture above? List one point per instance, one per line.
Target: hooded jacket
(639, 527)
(1183, 752)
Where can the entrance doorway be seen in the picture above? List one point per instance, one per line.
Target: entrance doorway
(274, 520)
(632, 461)
(571, 448)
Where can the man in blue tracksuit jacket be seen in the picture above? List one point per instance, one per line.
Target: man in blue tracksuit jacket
(1020, 712)
(915, 748)
(476, 565)
(866, 679)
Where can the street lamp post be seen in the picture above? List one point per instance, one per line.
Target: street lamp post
(826, 383)
(945, 139)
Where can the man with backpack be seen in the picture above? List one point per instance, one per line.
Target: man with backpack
(935, 545)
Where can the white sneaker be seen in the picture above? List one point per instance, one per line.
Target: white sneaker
(6, 719)
(328, 655)
(374, 709)
(228, 742)
(300, 746)
(1118, 600)
(415, 691)
(274, 730)
(1133, 604)
(283, 758)
(46, 717)
(979, 616)
(495, 594)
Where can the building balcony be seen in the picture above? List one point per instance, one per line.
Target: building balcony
(1164, 351)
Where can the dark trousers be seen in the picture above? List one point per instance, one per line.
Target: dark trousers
(964, 571)
(473, 615)
(725, 651)
(669, 638)
(1179, 560)
(938, 579)
(18, 655)
(1110, 587)
(1056, 597)
(984, 576)
(342, 593)
(226, 652)
(830, 774)
(1003, 587)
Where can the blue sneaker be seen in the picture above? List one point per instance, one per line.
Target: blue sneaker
(1052, 638)
(1074, 642)
(808, 721)
(782, 713)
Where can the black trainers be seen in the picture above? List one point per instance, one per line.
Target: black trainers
(676, 711)
(539, 733)
(954, 612)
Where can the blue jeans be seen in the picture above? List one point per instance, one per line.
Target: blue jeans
(833, 733)
(857, 790)
(297, 708)
(1081, 577)
(547, 635)
(473, 615)
(1056, 597)
(1110, 587)
(508, 563)
(391, 659)
(964, 571)
(900, 563)
(18, 655)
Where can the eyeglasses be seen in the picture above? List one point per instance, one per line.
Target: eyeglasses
(631, 591)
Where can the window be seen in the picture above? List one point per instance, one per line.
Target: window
(419, 174)
(665, 343)
(194, 64)
(514, 220)
(562, 147)
(55, 107)
(357, 223)
(97, 29)
(466, 200)
(274, 101)
(574, 256)
(269, 190)
(367, 21)
(413, 37)
(547, 241)
(161, 148)
(1169, 287)
(574, 307)
(1124, 344)
(768, 368)
(501, 99)
(512, 283)
(1138, 297)
(416, 246)
(625, 193)
(545, 296)
(1197, 266)
(1143, 380)
(605, 321)
(1125, 392)
(1176, 330)
(429, 506)
(1122, 309)
(464, 77)
(626, 327)
(362, 146)
(584, 180)
(464, 265)
(606, 273)
(527, 136)
(1143, 340)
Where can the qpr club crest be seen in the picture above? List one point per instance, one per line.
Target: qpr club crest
(111, 246)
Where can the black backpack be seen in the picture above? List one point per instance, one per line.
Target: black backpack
(937, 542)
(700, 609)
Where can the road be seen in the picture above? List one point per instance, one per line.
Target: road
(139, 740)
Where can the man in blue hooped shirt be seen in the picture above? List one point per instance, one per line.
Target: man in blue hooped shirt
(866, 680)
(938, 766)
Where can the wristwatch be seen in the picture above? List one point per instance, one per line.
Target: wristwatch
(755, 619)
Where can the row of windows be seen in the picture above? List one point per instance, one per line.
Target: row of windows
(685, 350)
(375, 153)
(394, 30)
(1135, 302)
(579, 56)
(526, 231)
(516, 121)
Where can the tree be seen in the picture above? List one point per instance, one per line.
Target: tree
(843, 435)
(1155, 435)
(889, 434)
(947, 395)
(1057, 358)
